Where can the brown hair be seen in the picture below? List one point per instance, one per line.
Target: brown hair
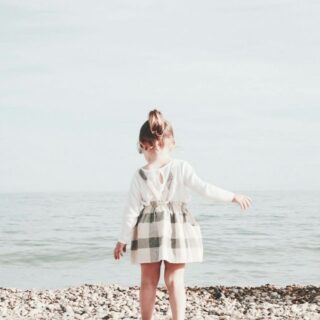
(155, 131)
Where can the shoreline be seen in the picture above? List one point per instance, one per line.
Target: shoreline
(112, 301)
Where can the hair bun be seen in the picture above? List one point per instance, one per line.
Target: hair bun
(156, 122)
(156, 132)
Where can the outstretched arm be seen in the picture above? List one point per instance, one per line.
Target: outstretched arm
(203, 188)
(192, 180)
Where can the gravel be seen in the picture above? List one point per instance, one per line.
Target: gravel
(89, 301)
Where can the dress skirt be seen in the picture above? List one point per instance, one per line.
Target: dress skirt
(166, 231)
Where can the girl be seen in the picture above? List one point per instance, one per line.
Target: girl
(156, 221)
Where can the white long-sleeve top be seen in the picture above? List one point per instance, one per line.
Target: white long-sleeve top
(142, 191)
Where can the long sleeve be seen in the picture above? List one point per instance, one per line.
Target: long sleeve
(203, 188)
(131, 210)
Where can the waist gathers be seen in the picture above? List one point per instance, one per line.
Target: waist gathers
(157, 203)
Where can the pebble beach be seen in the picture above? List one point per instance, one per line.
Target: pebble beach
(100, 301)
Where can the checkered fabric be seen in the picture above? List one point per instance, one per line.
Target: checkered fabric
(166, 230)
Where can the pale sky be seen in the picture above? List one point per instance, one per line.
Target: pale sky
(238, 80)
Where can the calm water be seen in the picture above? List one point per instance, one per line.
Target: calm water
(54, 240)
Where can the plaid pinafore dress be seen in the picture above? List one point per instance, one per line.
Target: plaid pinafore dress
(166, 230)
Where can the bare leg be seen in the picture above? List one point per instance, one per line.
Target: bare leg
(174, 280)
(150, 274)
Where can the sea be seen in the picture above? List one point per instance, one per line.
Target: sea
(66, 239)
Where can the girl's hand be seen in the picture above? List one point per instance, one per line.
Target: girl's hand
(119, 249)
(242, 200)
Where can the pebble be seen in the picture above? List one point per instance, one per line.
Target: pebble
(89, 301)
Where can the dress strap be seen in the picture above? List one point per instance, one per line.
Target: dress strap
(158, 195)
(167, 186)
(143, 175)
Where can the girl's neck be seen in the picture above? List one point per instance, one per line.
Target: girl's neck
(158, 162)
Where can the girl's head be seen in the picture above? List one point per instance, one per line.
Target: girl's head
(156, 135)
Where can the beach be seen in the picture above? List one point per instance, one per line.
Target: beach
(112, 301)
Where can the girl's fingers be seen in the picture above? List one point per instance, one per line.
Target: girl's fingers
(244, 202)
(117, 253)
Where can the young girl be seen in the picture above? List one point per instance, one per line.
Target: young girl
(156, 220)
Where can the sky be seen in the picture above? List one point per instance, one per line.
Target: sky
(238, 81)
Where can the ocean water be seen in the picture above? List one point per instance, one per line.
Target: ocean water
(55, 240)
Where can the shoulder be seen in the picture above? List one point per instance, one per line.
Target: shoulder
(138, 175)
(135, 176)
(184, 166)
(179, 162)
(183, 163)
